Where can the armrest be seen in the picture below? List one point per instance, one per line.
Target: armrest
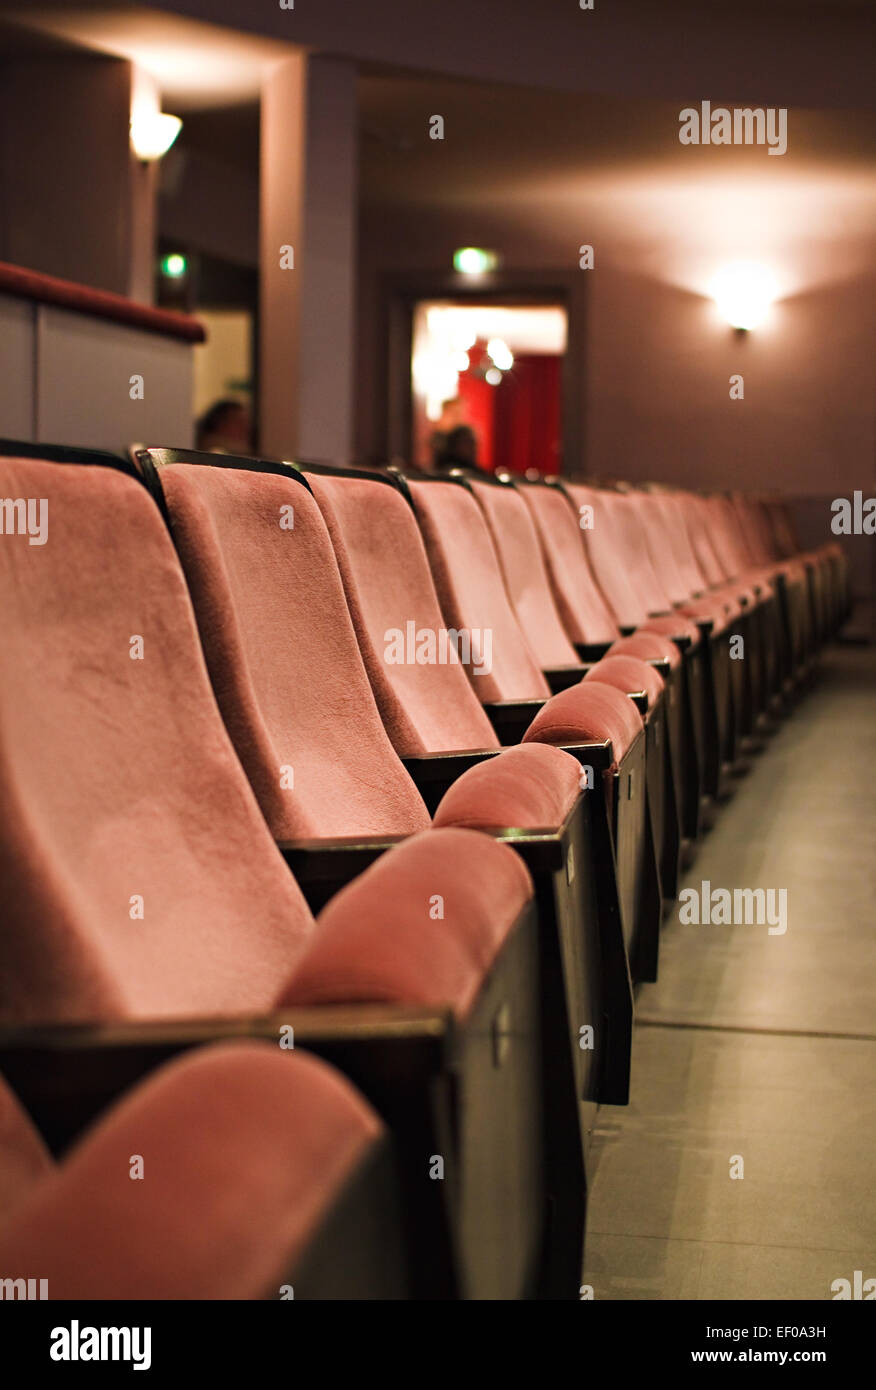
(66, 1075)
(321, 867)
(562, 677)
(435, 773)
(511, 718)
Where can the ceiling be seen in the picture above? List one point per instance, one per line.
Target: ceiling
(534, 170)
(538, 173)
(197, 66)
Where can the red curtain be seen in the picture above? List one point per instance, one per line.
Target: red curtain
(526, 416)
(479, 410)
(518, 422)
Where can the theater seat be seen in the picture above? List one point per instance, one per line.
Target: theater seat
(471, 590)
(594, 631)
(585, 614)
(141, 880)
(144, 890)
(250, 1157)
(425, 709)
(287, 627)
(435, 720)
(525, 574)
(619, 554)
(290, 695)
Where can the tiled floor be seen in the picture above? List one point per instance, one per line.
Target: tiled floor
(757, 1045)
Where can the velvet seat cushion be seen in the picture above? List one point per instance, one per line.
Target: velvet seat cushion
(525, 573)
(245, 1148)
(588, 712)
(471, 589)
(425, 708)
(139, 877)
(532, 787)
(283, 656)
(628, 674)
(422, 925)
(582, 608)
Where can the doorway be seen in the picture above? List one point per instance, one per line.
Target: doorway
(486, 384)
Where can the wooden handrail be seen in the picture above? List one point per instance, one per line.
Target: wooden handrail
(82, 299)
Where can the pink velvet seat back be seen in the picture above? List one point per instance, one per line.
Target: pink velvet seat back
(675, 528)
(283, 655)
(722, 525)
(425, 707)
(525, 574)
(785, 540)
(656, 531)
(755, 528)
(638, 536)
(699, 534)
(584, 612)
(618, 557)
(471, 589)
(140, 879)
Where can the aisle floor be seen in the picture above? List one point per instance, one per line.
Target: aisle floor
(760, 1046)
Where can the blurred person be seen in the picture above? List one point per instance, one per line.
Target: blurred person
(226, 428)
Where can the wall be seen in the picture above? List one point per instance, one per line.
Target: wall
(65, 379)
(68, 183)
(659, 401)
(651, 364)
(660, 356)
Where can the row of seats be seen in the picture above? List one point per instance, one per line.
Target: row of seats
(340, 812)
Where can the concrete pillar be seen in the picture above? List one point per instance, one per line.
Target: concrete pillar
(308, 203)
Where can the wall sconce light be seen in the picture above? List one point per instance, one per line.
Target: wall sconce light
(743, 292)
(152, 134)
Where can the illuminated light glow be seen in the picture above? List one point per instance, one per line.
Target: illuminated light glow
(153, 133)
(474, 260)
(501, 354)
(744, 292)
(493, 376)
(435, 378)
(461, 361)
(462, 338)
(175, 265)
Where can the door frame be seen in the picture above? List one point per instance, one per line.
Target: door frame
(401, 292)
